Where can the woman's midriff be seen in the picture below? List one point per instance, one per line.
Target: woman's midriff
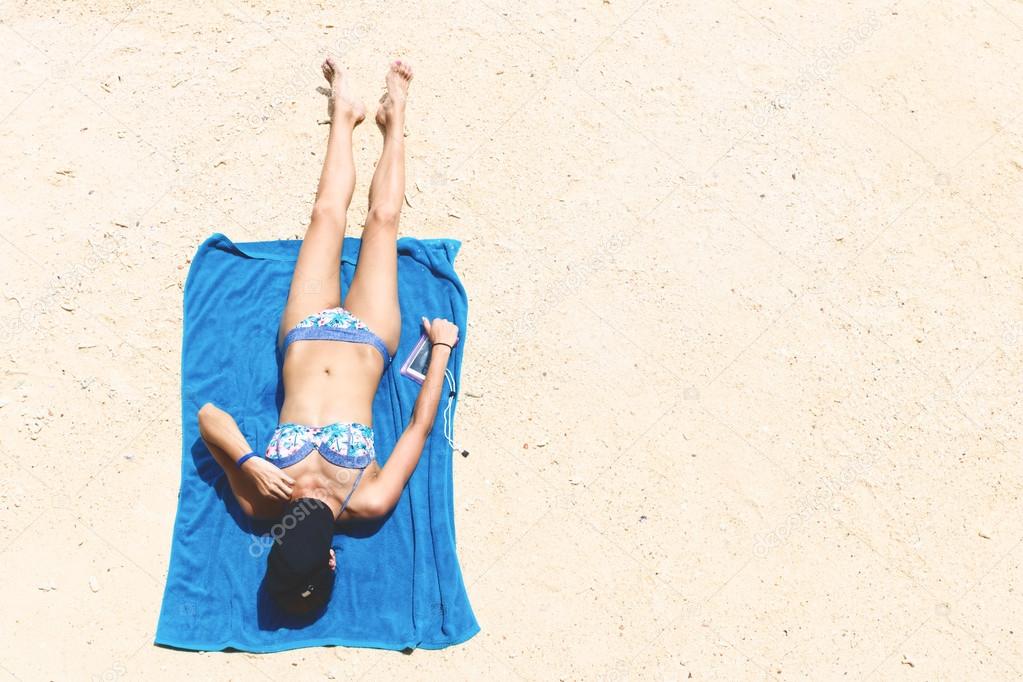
(330, 381)
(327, 382)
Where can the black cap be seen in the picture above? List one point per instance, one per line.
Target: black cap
(298, 575)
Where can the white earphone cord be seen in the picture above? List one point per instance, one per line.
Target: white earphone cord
(449, 425)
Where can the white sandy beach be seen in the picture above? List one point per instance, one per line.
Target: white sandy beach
(742, 377)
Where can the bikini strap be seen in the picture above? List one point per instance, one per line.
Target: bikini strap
(354, 486)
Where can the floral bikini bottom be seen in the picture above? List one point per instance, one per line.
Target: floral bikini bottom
(336, 324)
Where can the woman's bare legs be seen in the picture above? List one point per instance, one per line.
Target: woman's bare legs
(316, 282)
(373, 296)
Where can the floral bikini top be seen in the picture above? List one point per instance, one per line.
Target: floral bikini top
(344, 444)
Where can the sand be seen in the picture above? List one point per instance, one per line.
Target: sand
(743, 366)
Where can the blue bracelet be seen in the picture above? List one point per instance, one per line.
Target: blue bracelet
(242, 460)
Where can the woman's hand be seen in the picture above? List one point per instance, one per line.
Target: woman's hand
(270, 481)
(441, 331)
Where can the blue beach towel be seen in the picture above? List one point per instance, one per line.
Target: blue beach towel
(399, 583)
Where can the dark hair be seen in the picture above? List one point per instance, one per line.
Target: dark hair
(298, 575)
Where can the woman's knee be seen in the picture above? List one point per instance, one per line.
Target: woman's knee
(383, 215)
(329, 213)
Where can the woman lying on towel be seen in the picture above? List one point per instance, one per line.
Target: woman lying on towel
(333, 360)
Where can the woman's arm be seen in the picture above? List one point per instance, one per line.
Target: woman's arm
(379, 497)
(219, 429)
(225, 441)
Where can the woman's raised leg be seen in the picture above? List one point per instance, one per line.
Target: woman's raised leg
(373, 296)
(316, 282)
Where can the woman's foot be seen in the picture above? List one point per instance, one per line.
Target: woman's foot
(342, 105)
(391, 114)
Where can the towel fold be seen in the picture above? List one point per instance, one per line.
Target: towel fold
(399, 584)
